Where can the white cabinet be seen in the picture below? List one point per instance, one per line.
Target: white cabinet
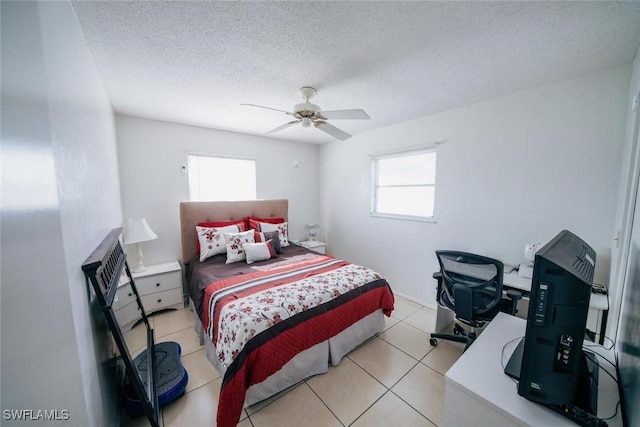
(125, 307)
(314, 245)
(159, 286)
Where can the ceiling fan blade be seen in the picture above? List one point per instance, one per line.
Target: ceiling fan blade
(269, 108)
(356, 114)
(332, 130)
(284, 126)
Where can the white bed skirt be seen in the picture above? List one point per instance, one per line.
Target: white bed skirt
(312, 361)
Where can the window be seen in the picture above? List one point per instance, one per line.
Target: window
(404, 184)
(221, 178)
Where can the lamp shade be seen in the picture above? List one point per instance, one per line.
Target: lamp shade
(138, 231)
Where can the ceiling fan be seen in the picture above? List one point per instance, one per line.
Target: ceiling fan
(309, 114)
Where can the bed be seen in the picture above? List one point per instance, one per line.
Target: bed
(267, 324)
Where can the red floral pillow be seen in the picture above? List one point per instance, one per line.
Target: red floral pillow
(234, 242)
(281, 228)
(211, 240)
(243, 225)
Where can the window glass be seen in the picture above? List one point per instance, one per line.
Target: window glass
(404, 184)
(221, 178)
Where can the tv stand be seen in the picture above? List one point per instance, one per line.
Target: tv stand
(477, 383)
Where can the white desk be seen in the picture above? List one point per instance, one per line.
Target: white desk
(515, 281)
(478, 393)
(598, 303)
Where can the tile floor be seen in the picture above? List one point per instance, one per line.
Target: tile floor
(396, 378)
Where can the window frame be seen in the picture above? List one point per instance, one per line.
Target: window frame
(221, 157)
(375, 158)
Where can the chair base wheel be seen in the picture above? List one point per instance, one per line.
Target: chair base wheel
(433, 342)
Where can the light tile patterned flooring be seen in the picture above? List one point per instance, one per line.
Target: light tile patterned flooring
(395, 378)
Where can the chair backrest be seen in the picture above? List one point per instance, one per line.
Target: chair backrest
(471, 283)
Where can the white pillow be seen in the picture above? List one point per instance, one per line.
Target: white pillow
(234, 242)
(280, 228)
(259, 251)
(212, 241)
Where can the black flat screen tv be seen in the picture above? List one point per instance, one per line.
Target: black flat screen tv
(549, 362)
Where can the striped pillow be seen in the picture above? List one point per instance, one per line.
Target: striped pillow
(259, 251)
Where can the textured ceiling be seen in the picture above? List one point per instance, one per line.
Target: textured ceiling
(196, 62)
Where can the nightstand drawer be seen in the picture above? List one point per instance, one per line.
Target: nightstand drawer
(128, 314)
(160, 300)
(125, 296)
(158, 283)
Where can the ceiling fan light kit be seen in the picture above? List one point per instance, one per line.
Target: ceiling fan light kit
(307, 114)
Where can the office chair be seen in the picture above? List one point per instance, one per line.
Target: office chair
(471, 286)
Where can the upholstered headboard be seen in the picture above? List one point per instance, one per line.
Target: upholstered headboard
(192, 213)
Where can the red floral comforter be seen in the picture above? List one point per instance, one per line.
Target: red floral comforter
(259, 321)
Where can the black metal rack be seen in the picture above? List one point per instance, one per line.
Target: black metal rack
(103, 269)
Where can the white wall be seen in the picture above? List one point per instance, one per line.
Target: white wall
(60, 197)
(627, 195)
(514, 169)
(151, 153)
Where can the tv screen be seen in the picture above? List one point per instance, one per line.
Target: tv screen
(549, 363)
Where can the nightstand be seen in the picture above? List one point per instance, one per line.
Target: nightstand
(159, 286)
(314, 245)
(124, 305)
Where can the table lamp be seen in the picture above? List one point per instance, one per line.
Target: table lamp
(312, 231)
(138, 231)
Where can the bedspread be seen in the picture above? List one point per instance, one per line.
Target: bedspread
(259, 321)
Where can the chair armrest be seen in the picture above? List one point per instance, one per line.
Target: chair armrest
(515, 296)
(438, 276)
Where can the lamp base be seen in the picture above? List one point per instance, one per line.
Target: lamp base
(140, 268)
